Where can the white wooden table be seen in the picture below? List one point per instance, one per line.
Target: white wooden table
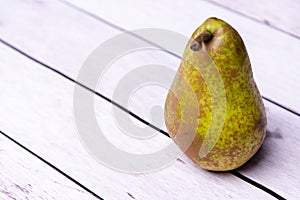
(43, 46)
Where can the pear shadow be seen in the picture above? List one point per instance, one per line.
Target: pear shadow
(264, 151)
(217, 174)
(254, 163)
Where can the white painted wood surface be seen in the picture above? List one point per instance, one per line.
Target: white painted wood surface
(274, 55)
(63, 37)
(273, 58)
(36, 109)
(276, 164)
(23, 177)
(280, 14)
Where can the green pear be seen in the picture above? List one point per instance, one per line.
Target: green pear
(214, 111)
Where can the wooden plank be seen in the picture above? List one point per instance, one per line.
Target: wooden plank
(281, 143)
(23, 176)
(282, 139)
(37, 110)
(64, 36)
(276, 164)
(274, 80)
(280, 14)
(142, 100)
(273, 53)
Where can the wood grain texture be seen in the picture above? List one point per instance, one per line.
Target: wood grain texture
(37, 110)
(273, 54)
(56, 50)
(275, 164)
(64, 37)
(279, 154)
(280, 14)
(23, 177)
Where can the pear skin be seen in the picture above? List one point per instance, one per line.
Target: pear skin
(228, 120)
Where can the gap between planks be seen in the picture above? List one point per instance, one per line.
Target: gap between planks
(23, 176)
(111, 100)
(38, 106)
(235, 173)
(169, 52)
(270, 75)
(222, 4)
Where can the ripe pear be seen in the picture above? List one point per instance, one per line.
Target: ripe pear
(214, 111)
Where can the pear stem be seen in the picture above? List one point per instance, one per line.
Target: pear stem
(205, 36)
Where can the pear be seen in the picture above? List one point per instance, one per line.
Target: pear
(214, 111)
